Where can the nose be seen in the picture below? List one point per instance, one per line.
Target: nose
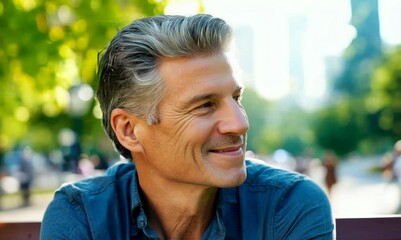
(233, 119)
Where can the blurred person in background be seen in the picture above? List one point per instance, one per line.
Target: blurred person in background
(391, 163)
(396, 166)
(171, 104)
(18, 164)
(330, 164)
(99, 161)
(86, 168)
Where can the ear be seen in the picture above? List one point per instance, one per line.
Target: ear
(123, 124)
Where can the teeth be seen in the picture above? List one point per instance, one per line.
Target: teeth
(222, 151)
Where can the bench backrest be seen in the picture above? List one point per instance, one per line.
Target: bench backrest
(369, 228)
(20, 230)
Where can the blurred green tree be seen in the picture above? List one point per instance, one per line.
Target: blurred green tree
(339, 127)
(280, 124)
(368, 123)
(47, 47)
(256, 109)
(383, 104)
(288, 128)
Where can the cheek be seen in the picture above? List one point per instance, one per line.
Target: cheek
(189, 134)
(175, 126)
(170, 137)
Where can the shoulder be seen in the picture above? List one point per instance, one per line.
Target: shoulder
(120, 173)
(260, 174)
(79, 203)
(290, 204)
(280, 183)
(116, 177)
(115, 174)
(281, 189)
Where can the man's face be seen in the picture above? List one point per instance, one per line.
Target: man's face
(200, 139)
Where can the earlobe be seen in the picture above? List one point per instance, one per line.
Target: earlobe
(123, 124)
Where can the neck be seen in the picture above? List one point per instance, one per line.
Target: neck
(179, 212)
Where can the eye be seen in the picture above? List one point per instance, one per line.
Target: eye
(206, 105)
(204, 108)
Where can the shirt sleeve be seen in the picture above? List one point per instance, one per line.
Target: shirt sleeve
(64, 219)
(304, 212)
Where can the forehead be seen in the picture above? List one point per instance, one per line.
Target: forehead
(199, 73)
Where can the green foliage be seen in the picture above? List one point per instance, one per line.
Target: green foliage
(256, 109)
(370, 123)
(47, 47)
(288, 128)
(275, 125)
(383, 104)
(336, 127)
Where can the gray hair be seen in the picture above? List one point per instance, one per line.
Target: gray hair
(128, 74)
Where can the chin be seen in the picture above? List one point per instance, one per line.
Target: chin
(234, 181)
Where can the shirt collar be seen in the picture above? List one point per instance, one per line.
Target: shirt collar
(136, 202)
(225, 196)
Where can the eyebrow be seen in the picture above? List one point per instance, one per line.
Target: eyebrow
(198, 98)
(207, 96)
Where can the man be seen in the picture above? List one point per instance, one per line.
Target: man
(171, 103)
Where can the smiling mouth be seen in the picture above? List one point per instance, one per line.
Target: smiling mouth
(231, 145)
(225, 150)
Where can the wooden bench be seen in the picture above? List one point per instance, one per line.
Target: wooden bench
(369, 228)
(20, 230)
(366, 228)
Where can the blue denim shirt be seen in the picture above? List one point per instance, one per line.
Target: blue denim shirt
(271, 204)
